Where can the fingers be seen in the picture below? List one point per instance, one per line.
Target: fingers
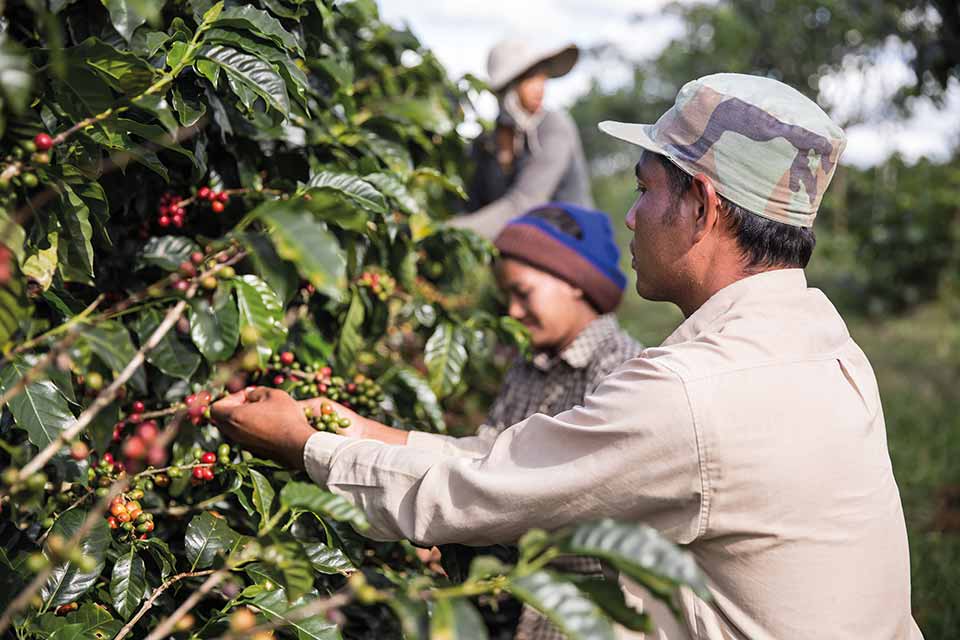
(259, 394)
(221, 410)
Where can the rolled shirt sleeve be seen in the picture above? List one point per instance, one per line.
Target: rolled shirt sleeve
(631, 452)
(476, 446)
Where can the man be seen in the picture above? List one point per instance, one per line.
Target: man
(754, 434)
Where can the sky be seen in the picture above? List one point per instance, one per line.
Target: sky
(461, 33)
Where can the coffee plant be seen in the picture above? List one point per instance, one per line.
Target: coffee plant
(197, 197)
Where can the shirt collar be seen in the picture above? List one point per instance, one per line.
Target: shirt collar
(581, 351)
(719, 303)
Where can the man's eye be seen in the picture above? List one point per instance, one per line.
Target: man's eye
(641, 188)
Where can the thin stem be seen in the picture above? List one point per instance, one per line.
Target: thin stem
(167, 626)
(25, 596)
(183, 510)
(127, 628)
(107, 395)
(70, 326)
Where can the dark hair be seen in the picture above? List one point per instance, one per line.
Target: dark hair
(559, 219)
(763, 243)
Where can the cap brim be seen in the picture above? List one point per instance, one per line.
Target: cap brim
(554, 63)
(561, 62)
(638, 134)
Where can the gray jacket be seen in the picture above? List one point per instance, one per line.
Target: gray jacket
(558, 172)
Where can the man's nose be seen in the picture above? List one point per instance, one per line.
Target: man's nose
(631, 219)
(515, 309)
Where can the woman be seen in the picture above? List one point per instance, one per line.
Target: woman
(558, 270)
(533, 155)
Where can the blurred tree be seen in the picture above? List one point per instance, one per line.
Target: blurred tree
(901, 222)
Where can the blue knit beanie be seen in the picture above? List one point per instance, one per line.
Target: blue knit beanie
(589, 262)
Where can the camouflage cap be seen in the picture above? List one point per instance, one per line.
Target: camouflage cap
(767, 147)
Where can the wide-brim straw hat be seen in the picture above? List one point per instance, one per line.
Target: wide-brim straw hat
(511, 58)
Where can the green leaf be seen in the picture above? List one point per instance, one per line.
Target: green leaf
(40, 409)
(426, 113)
(455, 619)
(75, 246)
(639, 552)
(446, 356)
(391, 187)
(110, 341)
(162, 555)
(306, 242)
(166, 252)
(309, 497)
(393, 154)
(215, 326)
(274, 605)
(350, 185)
(608, 595)
(261, 309)
(351, 337)
(14, 304)
(207, 536)
(412, 615)
(69, 632)
(177, 54)
(95, 622)
(427, 403)
(128, 584)
(67, 582)
(338, 209)
(40, 264)
(431, 175)
(263, 495)
(209, 70)
(189, 108)
(253, 73)
(295, 572)
(563, 604)
(276, 272)
(172, 355)
(124, 16)
(122, 70)
(326, 559)
(260, 23)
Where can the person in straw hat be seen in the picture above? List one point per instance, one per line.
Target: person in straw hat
(753, 435)
(534, 155)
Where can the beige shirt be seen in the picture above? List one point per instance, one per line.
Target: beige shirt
(753, 434)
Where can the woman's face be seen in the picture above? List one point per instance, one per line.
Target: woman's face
(530, 92)
(543, 303)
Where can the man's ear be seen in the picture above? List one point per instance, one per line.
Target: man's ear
(707, 206)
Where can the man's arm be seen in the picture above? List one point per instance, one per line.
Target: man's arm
(630, 452)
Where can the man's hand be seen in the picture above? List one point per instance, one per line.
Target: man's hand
(266, 421)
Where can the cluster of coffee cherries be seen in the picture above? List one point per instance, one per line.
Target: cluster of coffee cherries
(217, 199)
(39, 150)
(188, 270)
(328, 420)
(170, 212)
(141, 445)
(127, 517)
(381, 285)
(203, 463)
(198, 406)
(360, 393)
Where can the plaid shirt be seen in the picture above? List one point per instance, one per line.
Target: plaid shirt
(551, 385)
